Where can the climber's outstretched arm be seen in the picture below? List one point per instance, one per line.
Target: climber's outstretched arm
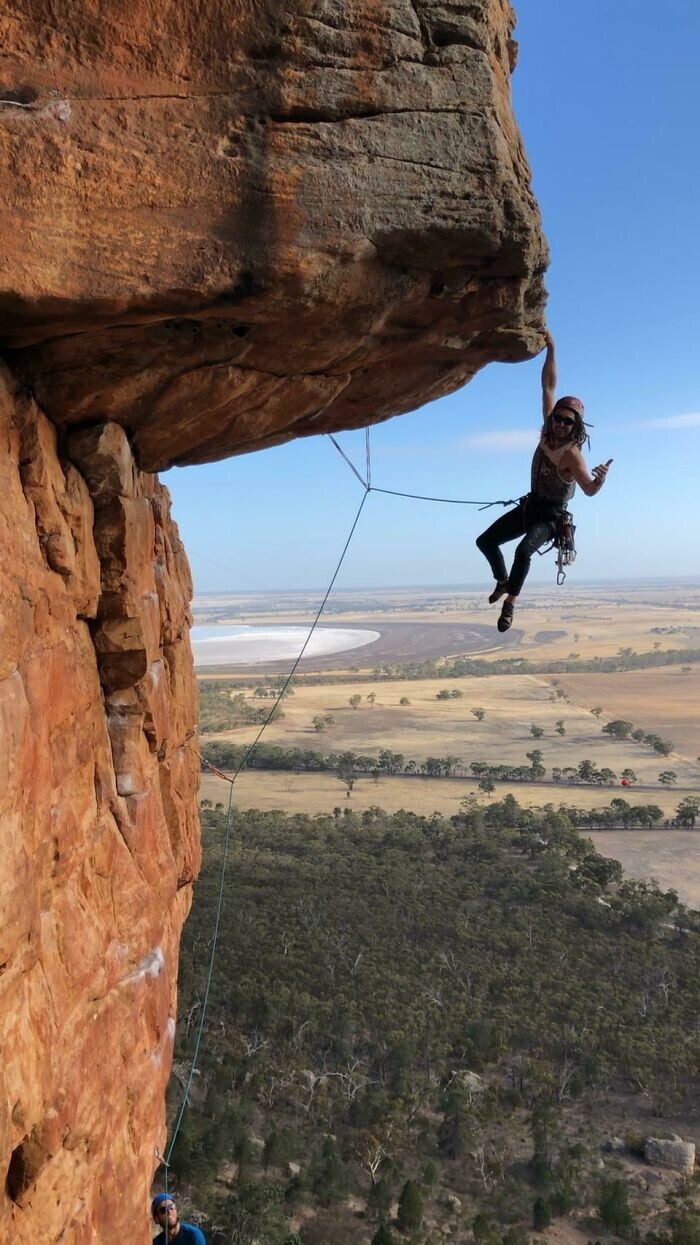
(590, 484)
(549, 378)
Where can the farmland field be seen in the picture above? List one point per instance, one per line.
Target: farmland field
(431, 727)
(575, 624)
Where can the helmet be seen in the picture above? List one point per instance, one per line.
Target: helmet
(575, 405)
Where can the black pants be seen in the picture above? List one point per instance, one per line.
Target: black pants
(536, 522)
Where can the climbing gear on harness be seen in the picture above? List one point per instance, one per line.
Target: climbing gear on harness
(564, 544)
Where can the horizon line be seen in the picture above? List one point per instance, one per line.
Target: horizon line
(693, 580)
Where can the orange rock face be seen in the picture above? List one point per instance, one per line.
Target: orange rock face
(97, 822)
(244, 222)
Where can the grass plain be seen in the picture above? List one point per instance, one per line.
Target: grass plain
(583, 622)
(512, 703)
(671, 696)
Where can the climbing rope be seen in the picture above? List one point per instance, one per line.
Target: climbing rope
(351, 465)
(207, 991)
(366, 483)
(450, 501)
(227, 840)
(374, 488)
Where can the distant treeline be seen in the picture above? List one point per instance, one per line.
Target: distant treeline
(386, 763)
(626, 659)
(350, 765)
(393, 764)
(459, 667)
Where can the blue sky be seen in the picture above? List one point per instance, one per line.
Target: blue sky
(608, 99)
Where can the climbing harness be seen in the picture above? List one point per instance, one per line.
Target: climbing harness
(566, 556)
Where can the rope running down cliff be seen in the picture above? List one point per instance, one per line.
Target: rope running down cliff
(227, 834)
(368, 488)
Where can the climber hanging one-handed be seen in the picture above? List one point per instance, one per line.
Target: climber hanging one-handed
(557, 467)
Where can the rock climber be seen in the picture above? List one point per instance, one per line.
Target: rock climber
(557, 467)
(164, 1211)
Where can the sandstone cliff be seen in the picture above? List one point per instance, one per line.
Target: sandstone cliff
(225, 225)
(99, 826)
(243, 222)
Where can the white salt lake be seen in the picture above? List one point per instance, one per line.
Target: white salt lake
(241, 645)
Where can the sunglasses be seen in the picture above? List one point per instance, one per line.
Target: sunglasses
(563, 419)
(164, 1208)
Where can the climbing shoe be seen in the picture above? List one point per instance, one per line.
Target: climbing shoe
(505, 618)
(499, 591)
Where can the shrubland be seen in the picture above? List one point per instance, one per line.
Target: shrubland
(419, 1027)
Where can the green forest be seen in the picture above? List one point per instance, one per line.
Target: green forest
(424, 1029)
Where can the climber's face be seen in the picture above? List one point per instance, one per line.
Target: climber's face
(166, 1215)
(562, 425)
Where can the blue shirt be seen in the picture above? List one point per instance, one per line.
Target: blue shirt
(187, 1235)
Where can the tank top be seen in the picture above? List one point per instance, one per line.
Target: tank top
(545, 481)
